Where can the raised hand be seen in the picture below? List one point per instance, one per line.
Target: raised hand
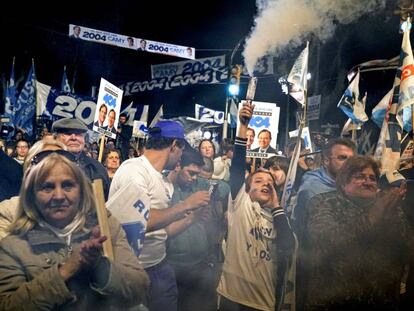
(197, 199)
(85, 256)
(246, 113)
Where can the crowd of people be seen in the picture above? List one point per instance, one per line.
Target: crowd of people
(216, 236)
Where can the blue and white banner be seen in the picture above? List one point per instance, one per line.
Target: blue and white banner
(25, 109)
(55, 104)
(169, 70)
(204, 114)
(209, 76)
(263, 67)
(129, 42)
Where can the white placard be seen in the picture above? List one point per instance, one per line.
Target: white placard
(265, 116)
(107, 109)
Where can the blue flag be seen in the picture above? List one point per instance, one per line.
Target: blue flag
(11, 100)
(26, 104)
(65, 87)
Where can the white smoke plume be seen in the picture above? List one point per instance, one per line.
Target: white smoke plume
(285, 23)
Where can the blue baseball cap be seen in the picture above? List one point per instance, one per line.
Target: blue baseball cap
(167, 128)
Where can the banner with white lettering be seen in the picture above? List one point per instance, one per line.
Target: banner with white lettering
(187, 67)
(209, 76)
(208, 115)
(55, 104)
(109, 101)
(129, 42)
(210, 70)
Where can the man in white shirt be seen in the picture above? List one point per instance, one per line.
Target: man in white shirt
(162, 151)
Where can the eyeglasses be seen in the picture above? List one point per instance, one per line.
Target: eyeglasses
(362, 177)
(340, 158)
(37, 158)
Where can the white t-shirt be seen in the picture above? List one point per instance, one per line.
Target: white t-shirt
(248, 276)
(159, 191)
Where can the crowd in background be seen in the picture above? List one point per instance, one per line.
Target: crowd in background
(217, 236)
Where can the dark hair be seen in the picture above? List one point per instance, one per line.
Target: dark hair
(327, 149)
(211, 142)
(159, 143)
(226, 146)
(124, 115)
(249, 179)
(103, 105)
(251, 129)
(265, 131)
(208, 165)
(107, 152)
(354, 165)
(191, 156)
(280, 161)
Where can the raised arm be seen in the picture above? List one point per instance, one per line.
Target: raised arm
(237, 170)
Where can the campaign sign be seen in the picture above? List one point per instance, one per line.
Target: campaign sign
(265, 116)
(108, 108)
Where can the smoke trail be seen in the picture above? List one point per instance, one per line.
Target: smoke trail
(282, 23)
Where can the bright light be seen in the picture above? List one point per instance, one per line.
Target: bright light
(308, 76)
(234, 89)
(207, 135)
(404, 26)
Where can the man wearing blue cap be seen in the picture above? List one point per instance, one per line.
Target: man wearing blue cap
(162, 151)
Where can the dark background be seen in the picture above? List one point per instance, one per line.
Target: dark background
(40, 31)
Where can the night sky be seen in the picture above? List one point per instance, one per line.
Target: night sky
(212, 27)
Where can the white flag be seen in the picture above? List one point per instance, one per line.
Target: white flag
(158, 116)
(298, 76)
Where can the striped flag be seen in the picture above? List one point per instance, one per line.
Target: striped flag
(64, 86)
(298, 76)
(26, 103)
(389, 143)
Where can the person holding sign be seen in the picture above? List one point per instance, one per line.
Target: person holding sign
(248, 280)
(53, 257)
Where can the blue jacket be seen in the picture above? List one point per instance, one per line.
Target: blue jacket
(313, 183)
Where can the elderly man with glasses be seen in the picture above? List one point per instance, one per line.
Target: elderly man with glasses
(356, 243)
